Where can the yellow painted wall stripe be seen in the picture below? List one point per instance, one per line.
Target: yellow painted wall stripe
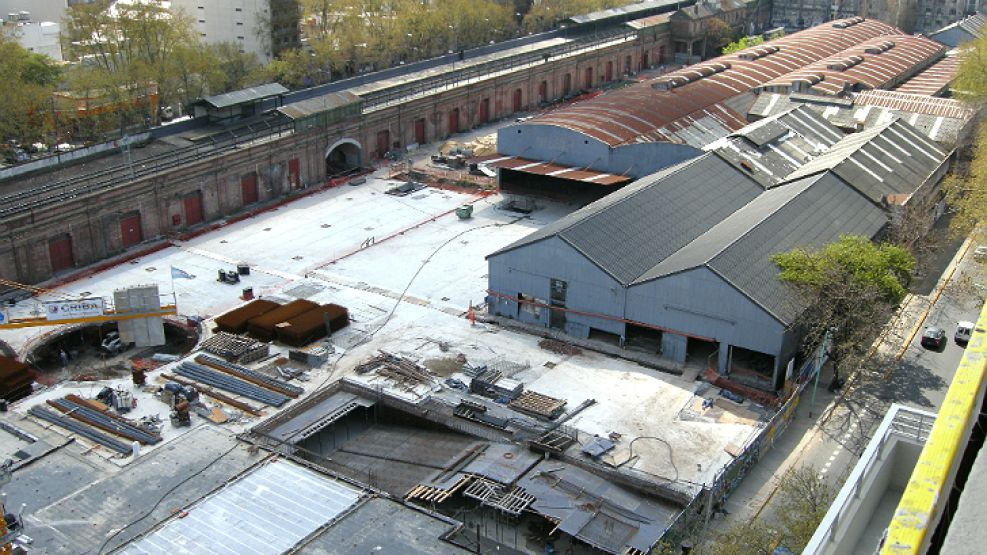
(920, 505)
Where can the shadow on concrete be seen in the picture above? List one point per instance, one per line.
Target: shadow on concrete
(934, 252)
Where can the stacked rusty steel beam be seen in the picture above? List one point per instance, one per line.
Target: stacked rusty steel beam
(264, 327)
(311, 326)
(235, 321)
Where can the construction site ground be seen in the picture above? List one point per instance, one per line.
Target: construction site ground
(407, 268)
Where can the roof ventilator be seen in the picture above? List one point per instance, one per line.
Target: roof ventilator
(848, 22)
(845, 64)
(879, 48)
(758, 52)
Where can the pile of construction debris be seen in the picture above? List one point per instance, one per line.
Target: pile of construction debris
(404, 372)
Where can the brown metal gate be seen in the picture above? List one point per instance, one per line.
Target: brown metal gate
(248, 189)
(454, 121)
(609, 72)
(543, 91)
(588, 78)
(130, 230)
(60, 253)
(193, 208)
(516, 104)
(420, 131)
(484, 115)
(294, 173)
(383, 142)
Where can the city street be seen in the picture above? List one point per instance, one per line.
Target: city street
(833, 437)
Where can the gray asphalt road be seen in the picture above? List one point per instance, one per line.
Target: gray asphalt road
(920, 379)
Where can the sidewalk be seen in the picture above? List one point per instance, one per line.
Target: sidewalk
(755, 491)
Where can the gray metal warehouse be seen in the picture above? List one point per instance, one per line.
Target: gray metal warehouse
(679, 263)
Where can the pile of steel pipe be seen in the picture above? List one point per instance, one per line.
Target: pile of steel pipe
(226, 382)
(80, 429)
(103, 421)
(250, 375)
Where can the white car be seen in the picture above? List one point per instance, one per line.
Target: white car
(963, 332)
(980, 253)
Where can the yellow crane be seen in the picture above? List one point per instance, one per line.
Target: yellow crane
(109, 315)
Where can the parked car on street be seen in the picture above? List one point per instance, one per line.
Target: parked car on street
(963, 332)
(933, 338)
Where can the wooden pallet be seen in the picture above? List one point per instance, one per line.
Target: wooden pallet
(538, 405)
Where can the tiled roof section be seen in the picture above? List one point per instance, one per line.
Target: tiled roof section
(933, 80)
(771, 149)
(638, 113)
(875, 63)
(915, 103)
(887, 160)
(632, 230)
(808, 213)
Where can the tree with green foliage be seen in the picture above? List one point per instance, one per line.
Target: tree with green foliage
(743, 43)
(549, 14)
(847, 289)
(802, 501)
(966, 188)
(28, 81)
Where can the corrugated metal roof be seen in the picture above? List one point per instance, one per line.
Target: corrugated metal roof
(628, 10)
(940, 119)
(630, 231)
(971, 27)
(268, 510)
(538, 167)
(597, 511)
(934, 79)
(641, 113)
(790, 139)
(891, 159)
(651, 21)
(874, 63)
(808, 213)
(242, 96)
(319, 104)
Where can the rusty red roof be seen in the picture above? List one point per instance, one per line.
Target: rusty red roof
(538, 167)
(916, 103)
(639, 112)
(875, 63)
(934, 79)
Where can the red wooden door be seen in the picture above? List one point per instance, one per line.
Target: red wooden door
(193, 208)
(543, 91)
(609, 73)
(454, 121)
(294, 173)
(588, 78)
(420, 131)
(248, 189)
(383, 142)
(484, 116)
(130, 230)
(516, 101)
(60, 253)
(567, 84)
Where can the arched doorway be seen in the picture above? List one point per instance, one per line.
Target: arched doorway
(342, 157)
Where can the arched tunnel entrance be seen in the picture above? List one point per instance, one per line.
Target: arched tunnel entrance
(342, 157)
(92, 354)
